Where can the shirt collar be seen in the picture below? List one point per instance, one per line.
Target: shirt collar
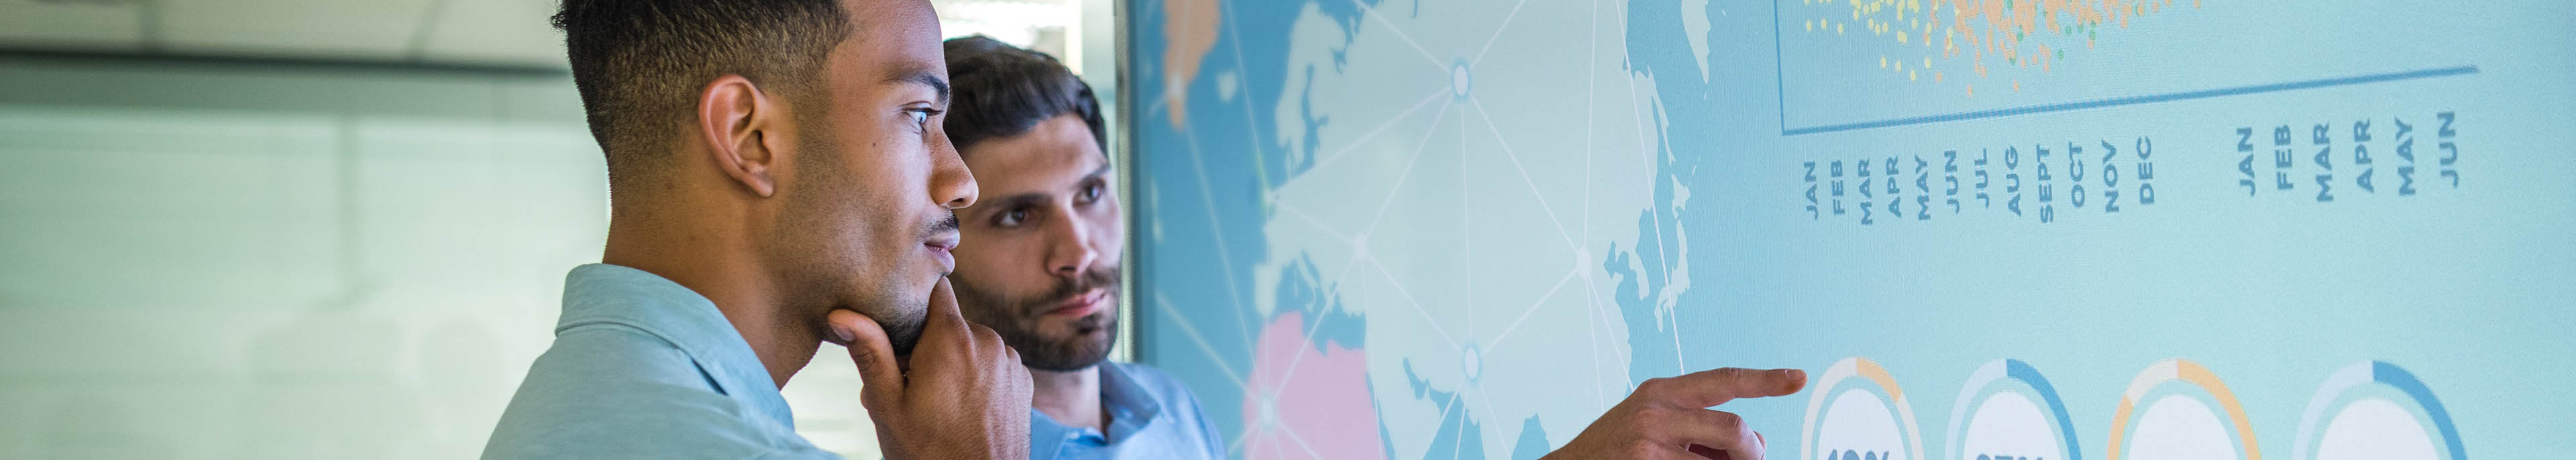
(1128, 403)
(1131, 408)
(611, 294)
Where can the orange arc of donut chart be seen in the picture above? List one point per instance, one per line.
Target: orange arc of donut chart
(2189, 372)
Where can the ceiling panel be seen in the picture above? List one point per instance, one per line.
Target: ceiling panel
(495, 31)
(474, 32)
(321, 28)
(70, 25)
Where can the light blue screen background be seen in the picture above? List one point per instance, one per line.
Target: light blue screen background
(1318, 161)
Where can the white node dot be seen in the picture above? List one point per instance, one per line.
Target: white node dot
(1459, 81)
(1269, 410)
(1472, 362)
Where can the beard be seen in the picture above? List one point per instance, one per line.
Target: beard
(1017, 320)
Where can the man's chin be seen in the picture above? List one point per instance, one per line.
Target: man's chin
(903, 335)
(1069, 353)
(903, 322)
(1063, 365)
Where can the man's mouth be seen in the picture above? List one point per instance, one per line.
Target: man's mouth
(1079, 305)
(939, 246)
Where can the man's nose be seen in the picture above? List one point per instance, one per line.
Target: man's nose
(950, 183)
(1070, 249)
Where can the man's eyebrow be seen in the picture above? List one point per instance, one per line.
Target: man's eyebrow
(923, 76)
(1103, 170)
(1014, 201)
(1029, 198)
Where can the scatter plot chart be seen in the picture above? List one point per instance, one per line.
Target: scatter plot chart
(1859, 64)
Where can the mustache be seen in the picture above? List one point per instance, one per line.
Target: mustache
(1067, 288)
(943, 225)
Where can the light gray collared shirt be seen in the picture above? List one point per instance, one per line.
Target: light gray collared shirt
(643, 367)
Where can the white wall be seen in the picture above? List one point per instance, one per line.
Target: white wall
(254, 261)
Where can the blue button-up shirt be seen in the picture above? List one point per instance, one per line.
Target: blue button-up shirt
(1150, 416)
(643, 367)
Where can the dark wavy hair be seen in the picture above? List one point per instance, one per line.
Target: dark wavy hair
(1004, 90)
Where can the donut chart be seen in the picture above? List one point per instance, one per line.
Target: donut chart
(2008, 411)
(1857, 412)
(2376, 410)
(2179, 420)
(2174, 409)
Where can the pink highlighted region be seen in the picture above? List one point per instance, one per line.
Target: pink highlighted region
(1305, 403)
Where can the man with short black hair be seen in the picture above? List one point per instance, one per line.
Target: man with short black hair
(1043, 272)
(778, 178)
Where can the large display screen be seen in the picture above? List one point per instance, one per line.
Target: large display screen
(1989, 229)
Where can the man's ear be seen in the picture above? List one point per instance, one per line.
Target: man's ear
(741, 126)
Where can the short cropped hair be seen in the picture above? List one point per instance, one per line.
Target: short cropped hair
(639, 64)
(1004, 91)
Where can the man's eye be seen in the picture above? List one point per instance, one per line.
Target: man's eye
(921, 117)
(1091, 193)
(1011, 218)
